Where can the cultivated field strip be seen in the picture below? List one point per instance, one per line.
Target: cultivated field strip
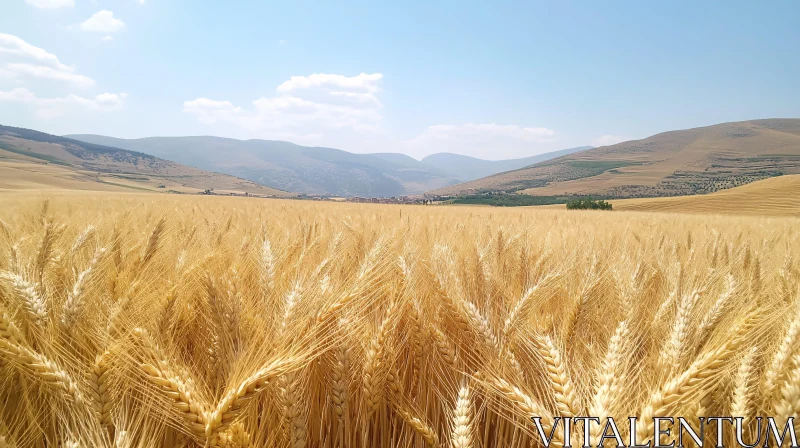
(146, 321)
(770, 197)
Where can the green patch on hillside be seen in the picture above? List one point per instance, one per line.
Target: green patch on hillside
(509, 200)
(24, 152)
(134, 178)
(123, 185)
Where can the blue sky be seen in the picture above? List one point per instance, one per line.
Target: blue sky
(499, 80)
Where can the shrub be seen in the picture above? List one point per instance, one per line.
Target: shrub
(588, 204)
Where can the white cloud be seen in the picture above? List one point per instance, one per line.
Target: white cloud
(30, 66)
(44, 72)
(487, 141)
(282, 41)
(55, 107)
(51, 4)
(306, 106)
(103, 21)
(20, 60)
(359, 82)
(606, 140)
(13, 45)
(107, 38)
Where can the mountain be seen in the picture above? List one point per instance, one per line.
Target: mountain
(466, 168)
(284, 165)
(33, 159)
(691, 161)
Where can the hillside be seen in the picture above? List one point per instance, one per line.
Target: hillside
(692, 161)
(466, 168)
(319, 170)
(776, 196)
(284, 165)
(31, 160)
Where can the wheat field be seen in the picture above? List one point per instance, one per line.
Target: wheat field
(160, 321)
(776, 196)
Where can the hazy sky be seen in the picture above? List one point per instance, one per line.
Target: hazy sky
(487, 79)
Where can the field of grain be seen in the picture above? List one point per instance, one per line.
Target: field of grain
(144, 320)
(777, 196)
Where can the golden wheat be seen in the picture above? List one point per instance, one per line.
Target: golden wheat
(149, 320)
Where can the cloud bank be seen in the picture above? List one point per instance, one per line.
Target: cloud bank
(304, 106)
(25, 68)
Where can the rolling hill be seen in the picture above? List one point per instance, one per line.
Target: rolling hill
(685, 162)
(466, 168)
(35, 160)
(318, 170)
(776, 196)
(284, 165)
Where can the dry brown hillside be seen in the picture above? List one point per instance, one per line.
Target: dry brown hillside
(34, 160)
(685, 162)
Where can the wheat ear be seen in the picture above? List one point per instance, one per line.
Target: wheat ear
(563, 390)
(529, 408)
(39, 366)
(33, 304)
(715, 313)
(340, 377)
(152, 243)
(462, 420)
(742, 390)
(419, 426)
(289, 385)
(82, 239)
(74, 304)
(691, 380)
(481, 325)
(776, 372)
(99, 388)
(675, 348)
(191, 409)
(443, 346)
(788, 405)
(375, 364)
(609, 381)
(234, 401)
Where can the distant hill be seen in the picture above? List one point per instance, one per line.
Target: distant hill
(284, 165)
(685, 162)
(466, 168)
(33, 159)
(776, 196)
